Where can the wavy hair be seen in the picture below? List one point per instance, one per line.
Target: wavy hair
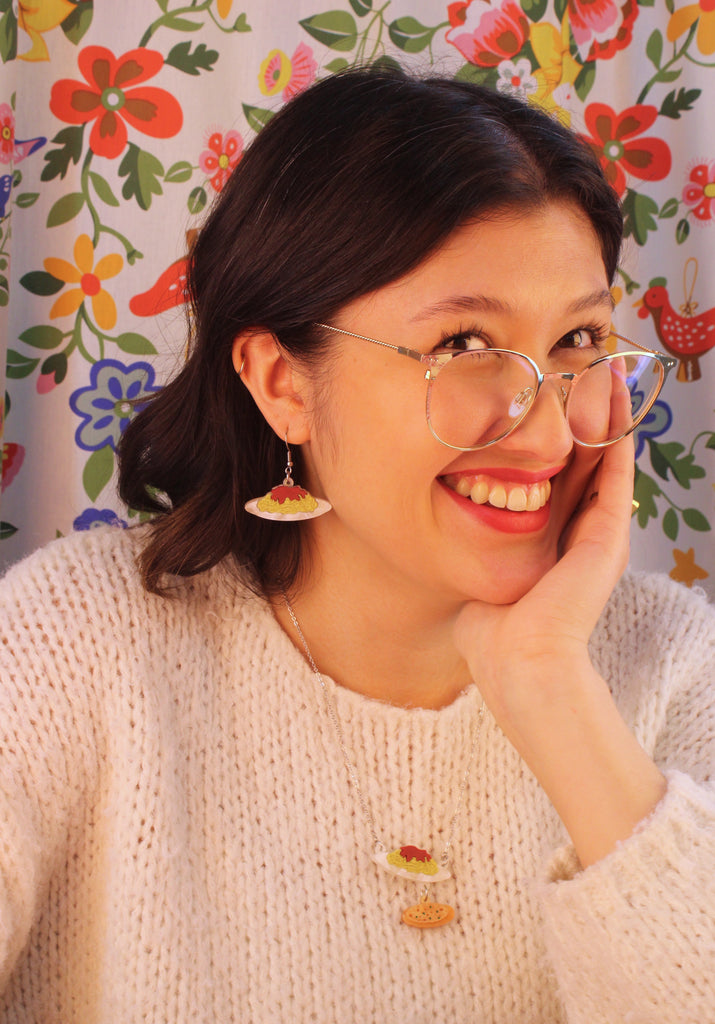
(350, 186)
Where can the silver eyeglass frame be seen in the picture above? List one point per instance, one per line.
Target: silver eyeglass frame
(436, 361)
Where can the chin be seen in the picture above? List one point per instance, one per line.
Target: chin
(507, 584)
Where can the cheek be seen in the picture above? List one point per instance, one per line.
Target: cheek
(324, 405)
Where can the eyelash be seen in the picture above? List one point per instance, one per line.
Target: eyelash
(463, 334)
(597, 332)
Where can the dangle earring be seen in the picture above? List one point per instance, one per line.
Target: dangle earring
(288, 502)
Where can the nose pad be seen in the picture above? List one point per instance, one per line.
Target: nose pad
(520, 401)
(562, 388)
(545, 427)
(562, 383)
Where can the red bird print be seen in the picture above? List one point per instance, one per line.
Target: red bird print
(169, 290)
(685, 337)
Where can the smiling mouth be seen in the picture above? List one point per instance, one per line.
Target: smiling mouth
(485, 490)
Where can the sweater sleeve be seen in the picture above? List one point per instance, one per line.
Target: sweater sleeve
(48, 747)
(632, 937)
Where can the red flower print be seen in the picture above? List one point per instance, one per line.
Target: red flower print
(221, 157)
(700, 191)
(613, 140)
(108, 97)
(7, 133)
(13, 456)
(486, 34)
(601, 27)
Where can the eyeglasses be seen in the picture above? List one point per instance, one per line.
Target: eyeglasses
(477, 398)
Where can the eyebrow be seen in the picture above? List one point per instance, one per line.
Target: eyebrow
(488, 304)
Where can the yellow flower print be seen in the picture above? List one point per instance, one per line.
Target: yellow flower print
(287, 75)
(686, 569)
(275, 73)
(557, 70)
(38, 16)
(89, 278)
(684, 18)
(224, 7)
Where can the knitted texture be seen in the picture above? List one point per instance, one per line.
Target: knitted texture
(179, 840)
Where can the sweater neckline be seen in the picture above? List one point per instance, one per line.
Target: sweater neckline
(352, 704)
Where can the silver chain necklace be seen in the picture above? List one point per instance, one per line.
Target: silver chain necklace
(407, 861)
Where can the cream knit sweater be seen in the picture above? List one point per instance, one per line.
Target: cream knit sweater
(179, 841)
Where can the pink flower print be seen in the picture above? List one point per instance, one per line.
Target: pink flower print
(287, 75)
(601, 27)
(45, 383)
(700, 191)
(223, 154)
(486, 34)
(7, 133)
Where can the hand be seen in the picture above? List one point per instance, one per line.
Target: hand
(553, 622)
(531, 663)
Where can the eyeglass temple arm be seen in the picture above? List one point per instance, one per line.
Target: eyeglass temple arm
(667, 362)
(411, 352)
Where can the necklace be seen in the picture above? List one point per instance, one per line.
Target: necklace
(410, 862)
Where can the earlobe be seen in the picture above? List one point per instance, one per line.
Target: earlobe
(265, 370)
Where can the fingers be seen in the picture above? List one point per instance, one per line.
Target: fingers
(596, 544)
(607, 495)
(614, 477)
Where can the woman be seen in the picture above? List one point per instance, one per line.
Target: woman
(247, 755)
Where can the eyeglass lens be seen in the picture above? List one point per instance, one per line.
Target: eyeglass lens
(479, 397)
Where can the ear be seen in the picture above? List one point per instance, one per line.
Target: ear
(275, 385)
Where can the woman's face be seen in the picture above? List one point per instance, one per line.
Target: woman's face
(409, 512)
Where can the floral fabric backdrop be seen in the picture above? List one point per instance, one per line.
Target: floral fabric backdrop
(119, 122)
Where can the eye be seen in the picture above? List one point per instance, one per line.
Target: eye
(463, 341)
(591, 337)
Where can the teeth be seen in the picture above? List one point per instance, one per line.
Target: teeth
(480, 492)
(517, 500)
(534, 502)
(538, 496)
(497, 496)
(515, 497)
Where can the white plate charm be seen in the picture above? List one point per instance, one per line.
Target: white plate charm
(412, 862)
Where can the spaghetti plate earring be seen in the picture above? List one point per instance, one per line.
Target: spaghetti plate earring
(288, 502)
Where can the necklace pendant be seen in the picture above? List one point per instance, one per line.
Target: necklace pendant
(428, 914)
(413, 863)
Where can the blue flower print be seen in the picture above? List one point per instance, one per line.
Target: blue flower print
(110, 401)
(657, 420)
(91, 518)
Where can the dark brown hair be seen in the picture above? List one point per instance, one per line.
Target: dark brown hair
(351, 185)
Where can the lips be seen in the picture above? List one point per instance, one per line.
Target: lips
(515, 496)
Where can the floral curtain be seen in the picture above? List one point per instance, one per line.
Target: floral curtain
(120, 122)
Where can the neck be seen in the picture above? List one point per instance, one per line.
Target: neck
(383, 644)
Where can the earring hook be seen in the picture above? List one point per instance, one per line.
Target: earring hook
(288, 479)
